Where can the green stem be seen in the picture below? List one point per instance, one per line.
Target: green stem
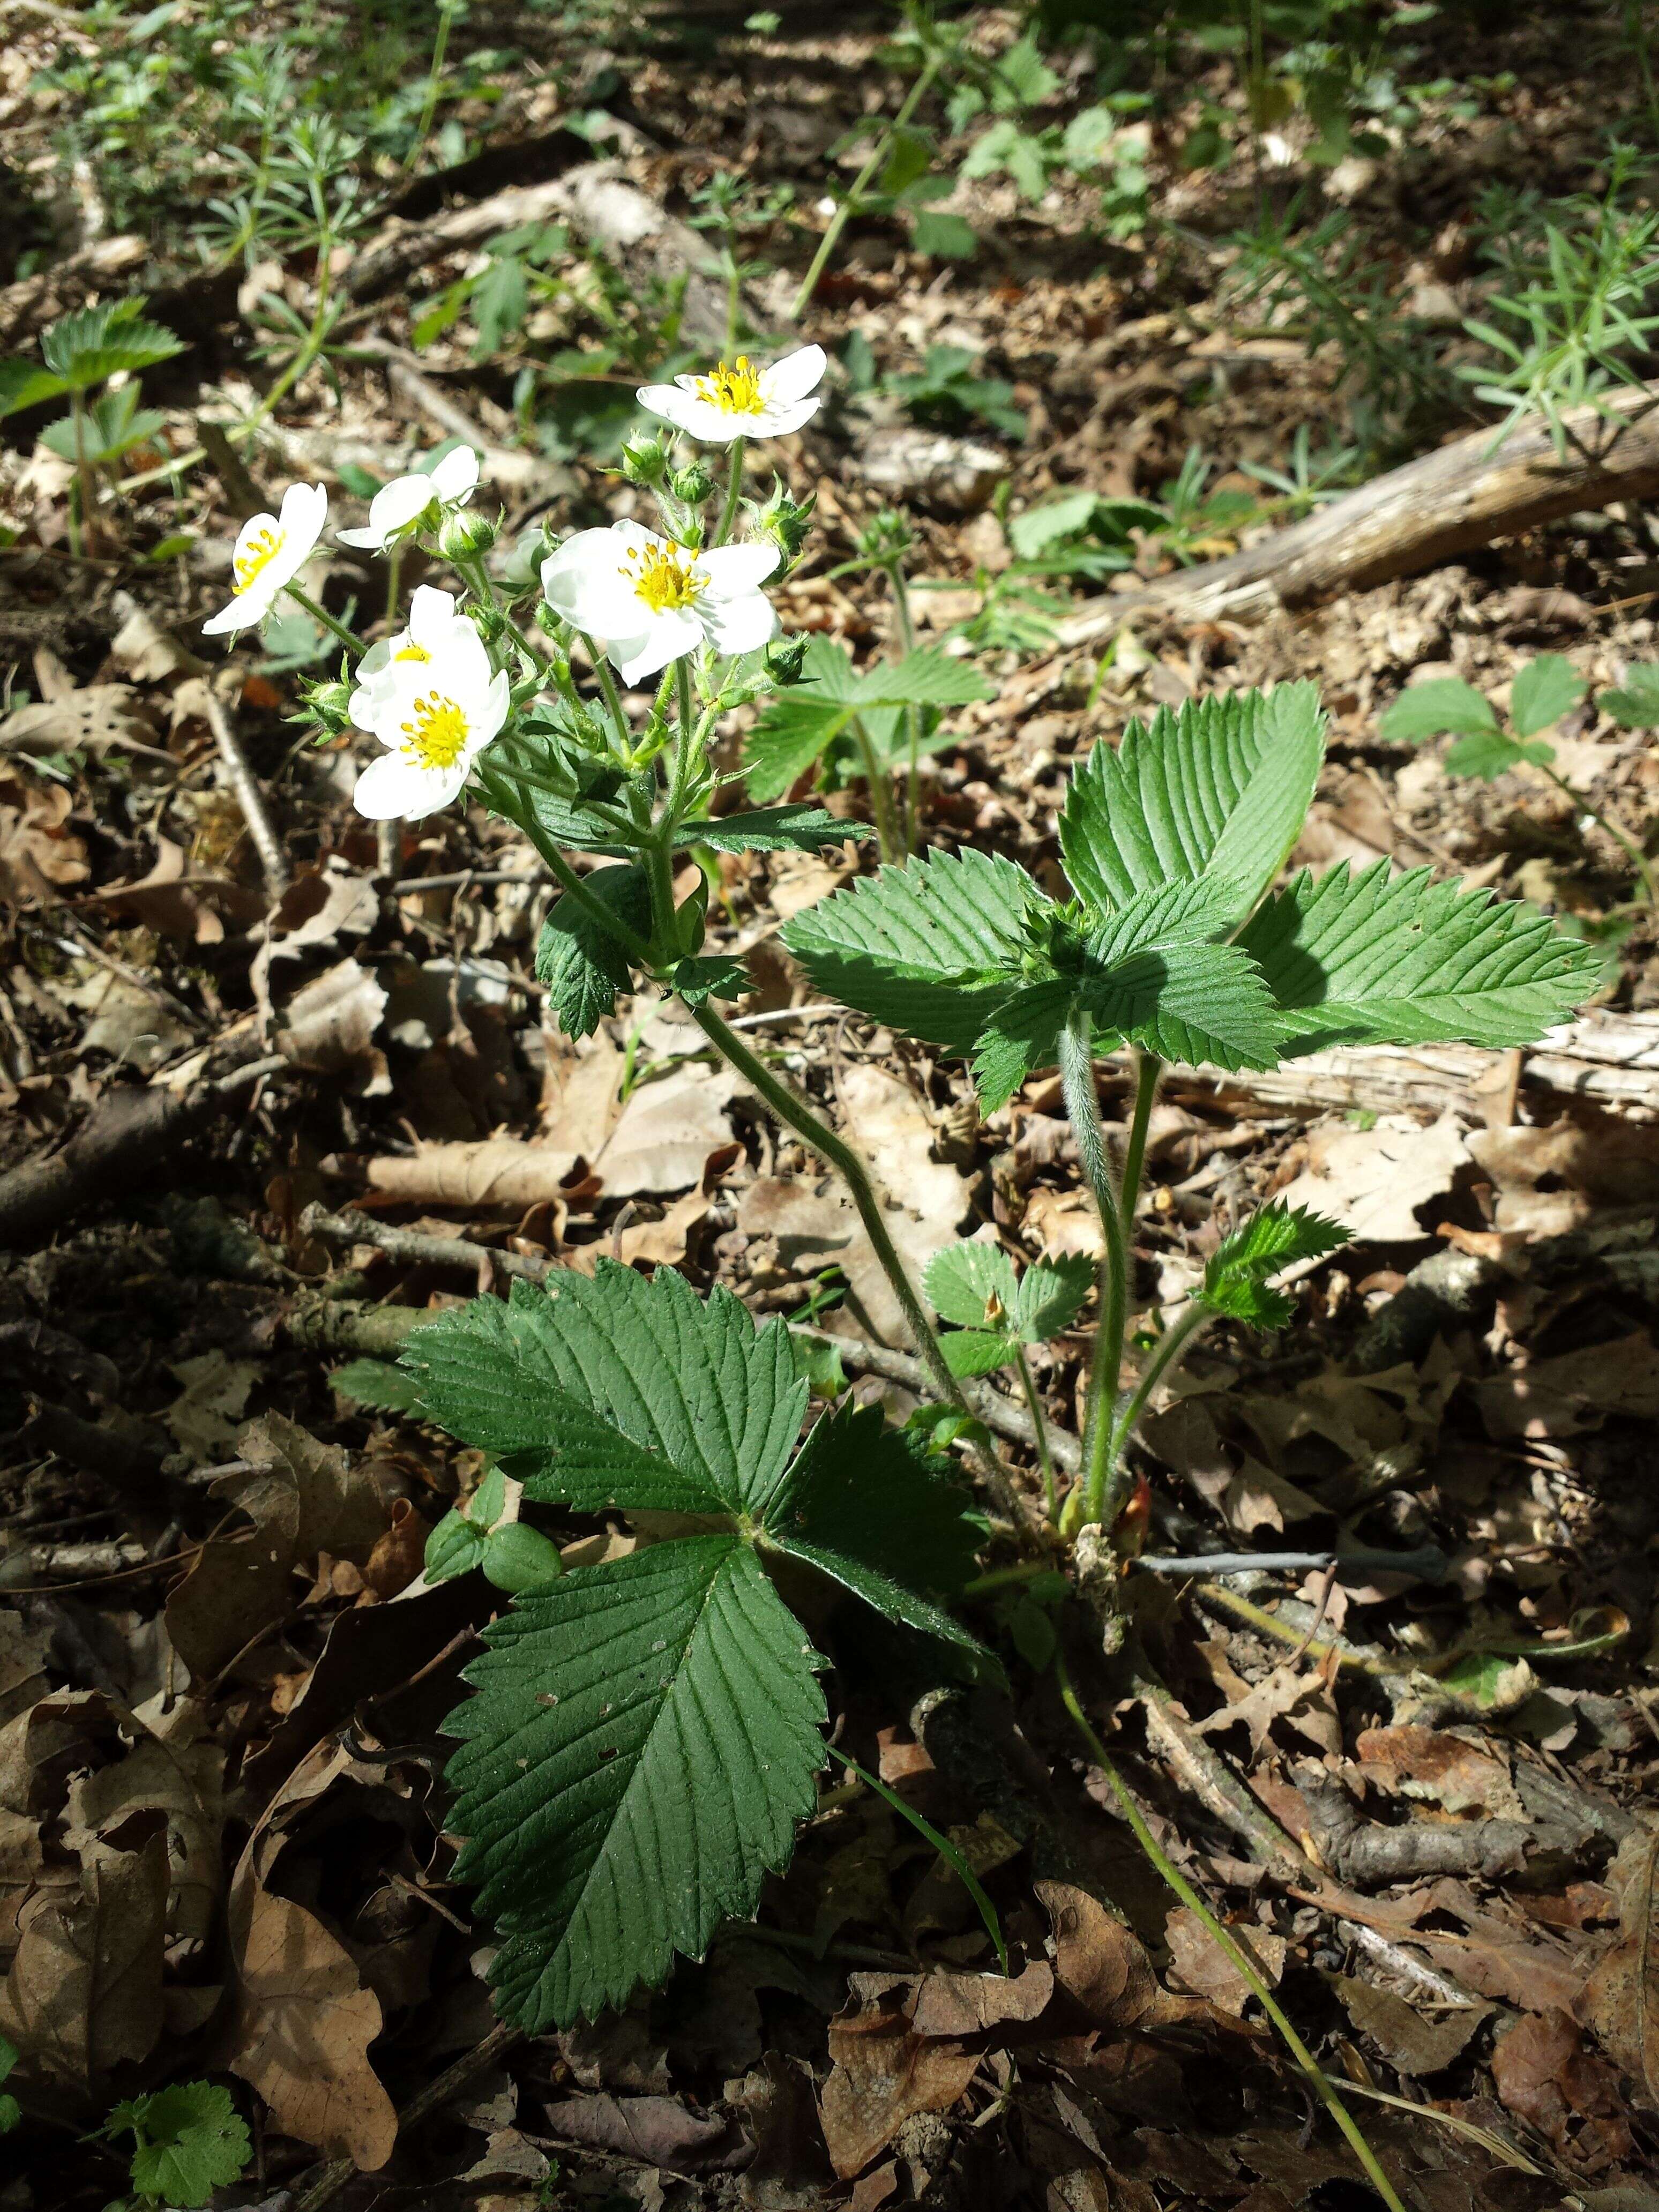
(1170, 1353)
(81, 518)
(393, 568)
(793, 1110)
(434, 82)
(1237, 1957)
(948, 1850)
(881, 798)
(608, 686)
(1034, 1406)
(320, 614)
(861, 183)
(1087, 1502)
(907, 641)
(598, 913)
(739, 447)
(1148, 1068)
(1637, 859)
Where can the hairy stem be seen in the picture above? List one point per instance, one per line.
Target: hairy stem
(1239, 1958)
(739, 447)
(1087, 1502)
(1148, 1068)
(793, 1111)
(319, 613)
(1034, 1406)
(1168, 1356)
(881, 796)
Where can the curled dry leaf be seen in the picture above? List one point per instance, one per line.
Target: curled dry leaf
(176, 901)
(1620, 2001)
(92, 720)
(328, 1027)
(883, 2071)
(500, 1173)
(1199, 1962)
(1104, 1967)
(38, 852)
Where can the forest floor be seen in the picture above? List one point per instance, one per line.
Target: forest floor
(221, 1807)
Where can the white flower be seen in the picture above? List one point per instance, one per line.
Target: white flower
(745, 401)
(434, 634)
(435, 722)
(651, 600)
(270, 551)
(397, 507)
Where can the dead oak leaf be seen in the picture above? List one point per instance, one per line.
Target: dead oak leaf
(882, 2073)
(1620, 2001)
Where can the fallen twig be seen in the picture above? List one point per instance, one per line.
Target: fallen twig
(1445, 503)
(273, 859)
(333, 2178)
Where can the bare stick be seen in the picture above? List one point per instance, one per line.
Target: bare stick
(273, 861)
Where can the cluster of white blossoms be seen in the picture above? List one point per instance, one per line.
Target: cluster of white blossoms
(430, 694)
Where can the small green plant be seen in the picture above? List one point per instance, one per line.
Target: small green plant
(512, 1555)
(78, 354)
(497, 296)
(948, 392)
(188, 2140)
(1543, 691)
(1579, 313)
(11, 2112)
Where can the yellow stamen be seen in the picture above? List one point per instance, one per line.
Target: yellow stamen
(665, 577)
(411, 653)
(734, 391)
(436, 732)
(257, 556)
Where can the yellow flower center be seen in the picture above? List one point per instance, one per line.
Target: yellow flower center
(411, 653)
(734, 391)
(257, 556)
(436, 732)
(666, 577)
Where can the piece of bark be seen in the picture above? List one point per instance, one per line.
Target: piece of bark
(597, 199)
(1433, 509)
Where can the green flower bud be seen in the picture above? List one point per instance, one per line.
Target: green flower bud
(888, 538)
(643, 460)
(786, 521)
(466, 535)
(325, 705)
(692, 484)
(489, 621)
(785, 657)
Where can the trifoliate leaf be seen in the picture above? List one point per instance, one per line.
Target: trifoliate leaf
(1634, 704)
(973, 1284)
(1429, 710)
(974, 1351)
(582, 966)
(643, 1739)
(1220, 789)
(933, 948)
(1489, 753)
(1372, 959)
(862, 1503)
(192, 2141)
(85, 347)
(1236, 1274)
(1543, 691)
(927, 677)
(1050, 1296)
(798, 829)
(794, 731)
(795, 728)
(376, 1385)
(611, 1390)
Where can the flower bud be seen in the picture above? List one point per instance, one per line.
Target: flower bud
(692, 484)
(326, 704)
(466, 536)
(786, 521)
(785, 658)
(643, 460)
(887, 537)
(489, 623)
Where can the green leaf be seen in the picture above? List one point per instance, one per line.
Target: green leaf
(921, 1535)
(376, 1384)
(1056, 520)
(1220, 789)
(934, 948)
(713, 976)
(455, 1547)
(1236, 1274)
(518, 1558)
(1429, 710)
(927, 677)
(798, 829)
(1489, 753)
(972, 1284)
(11, 2112)
(1634, 704)
(797, 726)
(192, 2141)
(1153, 978)
(582, 966)
(1373, 959)
(794, 729)
(1021, 1034)
(643, 1741)
(1051, 1295)
(975, 1352)
(25, 384)
(944, 237)
(85, 347)
(1543, 691)
(614, 1391)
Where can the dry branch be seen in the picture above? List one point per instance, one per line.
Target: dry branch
(1434, 508)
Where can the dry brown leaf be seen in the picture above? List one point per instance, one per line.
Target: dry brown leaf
(1103, 1966)
(83, 1994)
(177, 901)
(668, 1131)
(1543, 2071)
(303, 1498)
(1302, 1700)
(1413, 2044)
(581, 1090)
(328, 1026)
(882, 2072)
(1564, 1396)
(654, 2131)
(1620, 2001)
(1199, 1961)
(1549, 1179)
(1448, 1767)
(38, 852)
(150, 653)
(203, 1416)
(498, 1173)
(950, 2004)
(92, 720)
(1373, 1180)
(181, 1778)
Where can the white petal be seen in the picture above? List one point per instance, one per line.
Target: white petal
(794, 376)
(734, 568)
(399, 504)
(671, 636)
(569, 565)
(430, 612)
(741, 625)
(370, 540)
(256, 526)
(392, 786)
(493, 711)
(305, 510)
(700, 418)
(659, 398)
(781, 420)
(456, 477)
(246, 608)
